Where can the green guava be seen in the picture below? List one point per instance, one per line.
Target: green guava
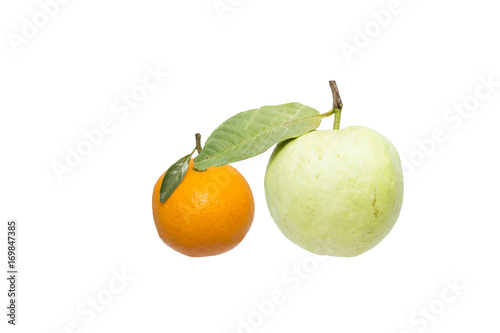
(336, 192)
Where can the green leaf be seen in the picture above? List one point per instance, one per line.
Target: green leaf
(174, 176)
(252, 132)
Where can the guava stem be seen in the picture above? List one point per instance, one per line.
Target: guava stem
(198, 142)
(336, 124)
(337, 104)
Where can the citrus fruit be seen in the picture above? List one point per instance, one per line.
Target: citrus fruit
(336, 192)
(209, 213)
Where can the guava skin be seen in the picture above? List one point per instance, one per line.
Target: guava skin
(336, 192)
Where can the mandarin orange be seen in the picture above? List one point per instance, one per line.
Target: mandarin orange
(209, 213)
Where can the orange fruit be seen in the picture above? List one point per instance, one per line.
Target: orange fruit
(209, 213)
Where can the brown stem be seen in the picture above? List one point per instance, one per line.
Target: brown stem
(198, 142)
(337, 104)
(337, 101)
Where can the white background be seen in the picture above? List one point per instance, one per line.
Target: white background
(75, 234)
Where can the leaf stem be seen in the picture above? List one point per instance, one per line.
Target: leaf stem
(198, 142)
(327, 114)
(337, 104)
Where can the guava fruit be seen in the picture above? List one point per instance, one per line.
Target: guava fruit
(336, 192)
